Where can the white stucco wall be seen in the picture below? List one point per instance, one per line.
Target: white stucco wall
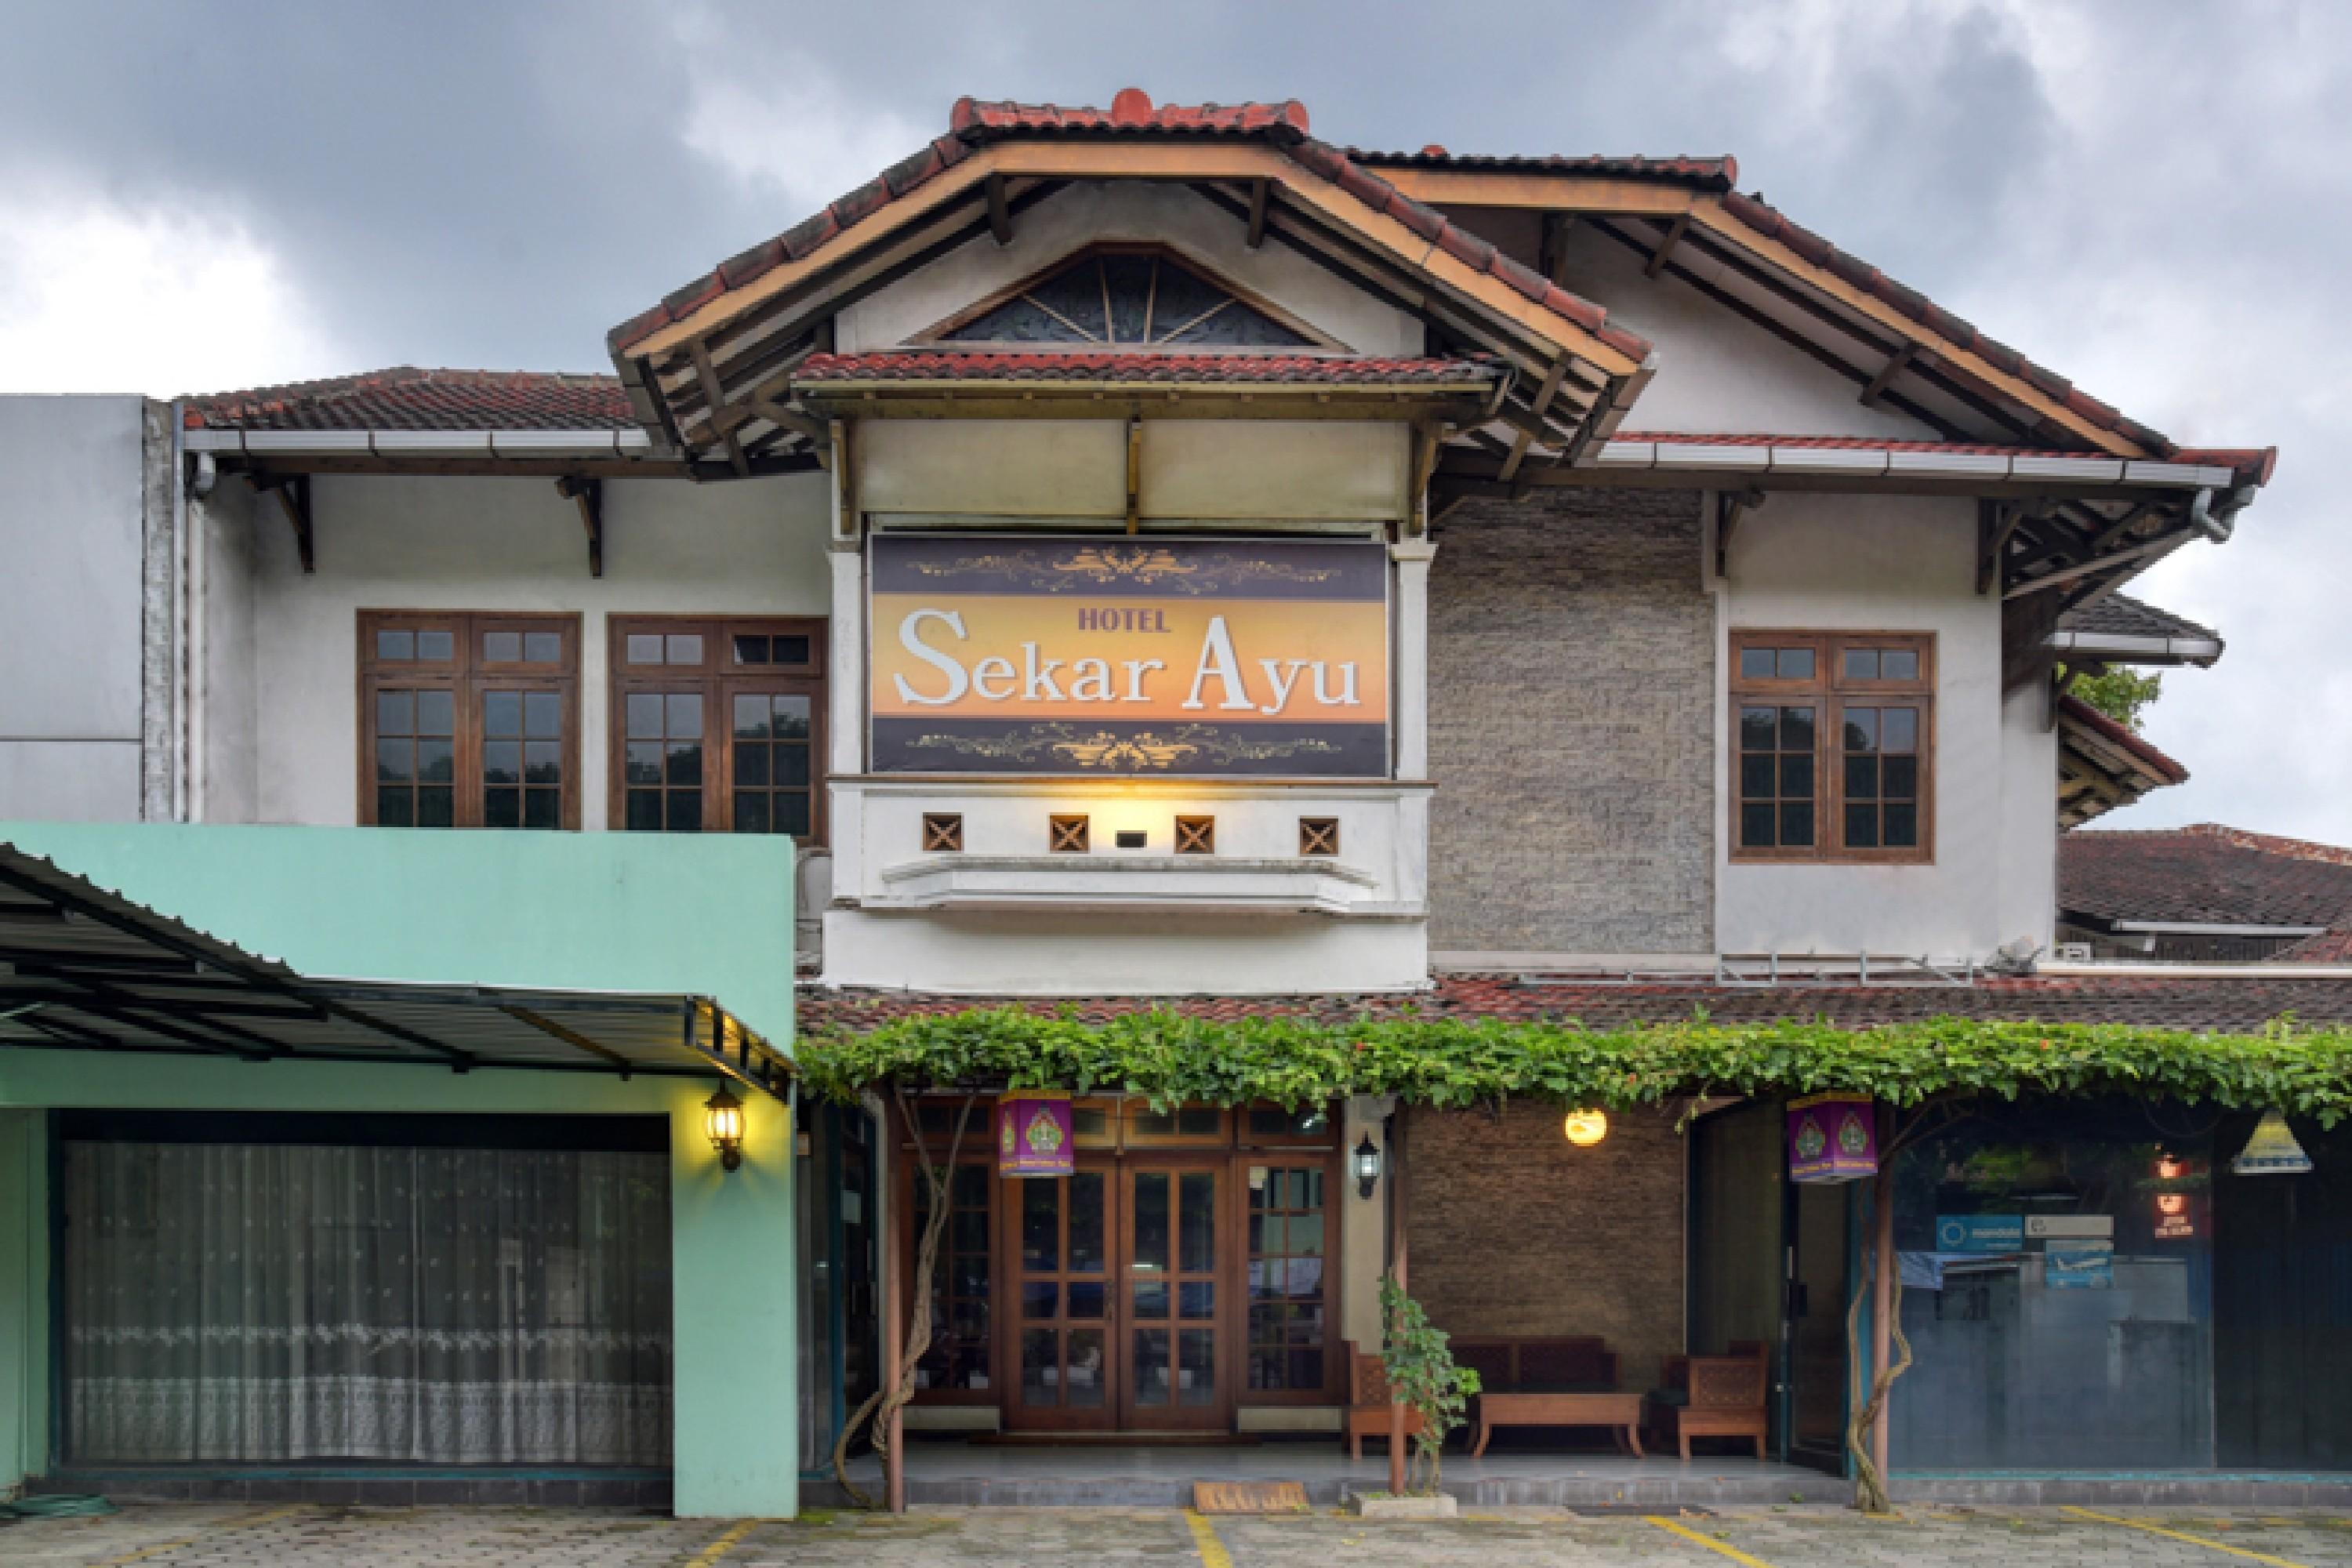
(1718, 372)
(1086, 212)
(1829, 563)
(71, 511)
(224, 543)
(753, 547)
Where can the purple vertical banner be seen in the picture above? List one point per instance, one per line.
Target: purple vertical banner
(1033, 1136)
(1832, 1138)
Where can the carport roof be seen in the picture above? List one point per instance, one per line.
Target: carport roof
(82, 968)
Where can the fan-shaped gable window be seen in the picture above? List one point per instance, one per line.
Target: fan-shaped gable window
(1114, 299)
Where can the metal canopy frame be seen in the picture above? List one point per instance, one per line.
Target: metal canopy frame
(85, 969)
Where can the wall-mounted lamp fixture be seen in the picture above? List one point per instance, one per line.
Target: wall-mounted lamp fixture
(1368, 1167)
(1586, 1128)
(722, 1120)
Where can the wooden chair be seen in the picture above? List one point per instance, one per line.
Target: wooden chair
(1369, 1405)
(1721, 1397)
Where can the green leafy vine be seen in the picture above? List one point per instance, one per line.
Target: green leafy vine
(1422, 1377)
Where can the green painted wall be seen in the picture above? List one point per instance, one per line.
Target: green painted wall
(711, 916)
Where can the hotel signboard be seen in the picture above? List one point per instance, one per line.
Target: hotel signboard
(1091, 655)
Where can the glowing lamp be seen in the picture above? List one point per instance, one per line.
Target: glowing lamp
(722, 1120)
(1368, 1167)
(1586, 1128)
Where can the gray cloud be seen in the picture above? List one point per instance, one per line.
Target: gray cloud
(2146, 197)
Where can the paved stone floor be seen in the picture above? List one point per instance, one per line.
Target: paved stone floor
(250, 1536)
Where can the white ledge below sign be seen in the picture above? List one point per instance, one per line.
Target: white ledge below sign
(1172, 883)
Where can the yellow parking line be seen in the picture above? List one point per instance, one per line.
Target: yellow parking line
(1688, 1533)
(162, 1546)
(2177, 1536)
(1205, 1537)
(718, 1548)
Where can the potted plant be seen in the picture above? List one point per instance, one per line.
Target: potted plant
(1422, 1375)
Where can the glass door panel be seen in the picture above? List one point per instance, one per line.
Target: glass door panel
(1063, 1343)
(1174, 1369)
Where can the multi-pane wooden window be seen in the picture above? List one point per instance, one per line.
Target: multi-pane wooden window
(958, 1353)
(468, 720)
(1833, 746)
(1287, 1292)
(718, 725)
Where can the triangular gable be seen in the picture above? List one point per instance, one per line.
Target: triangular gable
(1126, 298)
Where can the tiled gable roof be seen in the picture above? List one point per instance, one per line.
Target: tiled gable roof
(404, 397)
(960, 365)
(2119, 617)
(2231, 1005)
(2204, 874)
(2333, 945)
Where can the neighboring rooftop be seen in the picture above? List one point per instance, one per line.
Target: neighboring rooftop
(2206, 875)
(2118, 615)
(405, 397)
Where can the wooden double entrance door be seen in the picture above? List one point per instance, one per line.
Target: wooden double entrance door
(1124, 1307)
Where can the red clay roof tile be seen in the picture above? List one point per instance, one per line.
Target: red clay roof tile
(2208, 874)
(404, 397)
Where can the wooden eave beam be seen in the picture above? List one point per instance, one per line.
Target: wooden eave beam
(1551, 248)
(1000, 219)
(588, 490)
(1730, 506)
(1995, 524)
(1537, 405)
(1259, 191)
(1673, 237)
(1897, 363)
(714, 397)
(293, 491)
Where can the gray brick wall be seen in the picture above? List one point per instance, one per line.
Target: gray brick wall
(1571, 661)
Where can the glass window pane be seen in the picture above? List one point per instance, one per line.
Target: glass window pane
(685, 766)
(684, 715)
(1899, 664)
(1797, 825)
(502, 762)
(395, 809)
(1796, 729)
(395, 712)
(1041, 1225)
(1041, 1367)
(645, 715)
(1198, 1121)
(1086, 1198)
(543, 648)
(1796, 664)
(1088, 1298)
(1196, 1299)
(1900, 778)
(501, 647)
(542, 762)
(543, 713)
(436, 806)
(683, 648)
(395, 762)
(1862, 827)
(751, 811)
(1796, 778)
(1862, 729)
(683, 811)
(542, 808)
(1269, 1233)
(645, 810)
(1756, 663)
(1862, 664)
(1150, 1297)
(1305, 1368)
(1756, 826)
(502, 713)
(750, 762)
(396, 645)
(642, 762)
(1899, 730)
(436, 761)
(436, 712)
(1306, 1235)
(793, 815)
(645, 648)
(1862, 778)
(1196, 1366)
(1196, 1205)
(1150, 1371)
(1151, 1218)
(1756, 777)
(1087, 1387)
(1757, 726)
(792, 717)
(1040, 1298)
(751, 650)
(502, 808)
(792, 764)
(1901, 827)
(438, 647)
(789, 650)
(751, 717)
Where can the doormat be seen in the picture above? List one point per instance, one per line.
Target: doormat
(1249, 1497)
(1112, 1441)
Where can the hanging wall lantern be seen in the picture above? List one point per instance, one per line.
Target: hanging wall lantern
(722, 1120)
(1368, 1167)
(2272, 1151)
(1585, 1127)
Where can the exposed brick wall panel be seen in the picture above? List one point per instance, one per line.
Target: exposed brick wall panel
(1572, 731)
(1514, 1231)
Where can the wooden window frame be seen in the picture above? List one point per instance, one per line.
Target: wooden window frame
(718, 681)
(464, 675)
(1830, 692)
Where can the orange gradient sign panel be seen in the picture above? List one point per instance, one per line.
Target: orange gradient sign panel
(1128, 657)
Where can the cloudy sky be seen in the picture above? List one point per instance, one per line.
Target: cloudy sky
(2148, 195)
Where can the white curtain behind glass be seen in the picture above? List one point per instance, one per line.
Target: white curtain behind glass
(230, 1302)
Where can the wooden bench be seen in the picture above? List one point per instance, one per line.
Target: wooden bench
(1549, 1381)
